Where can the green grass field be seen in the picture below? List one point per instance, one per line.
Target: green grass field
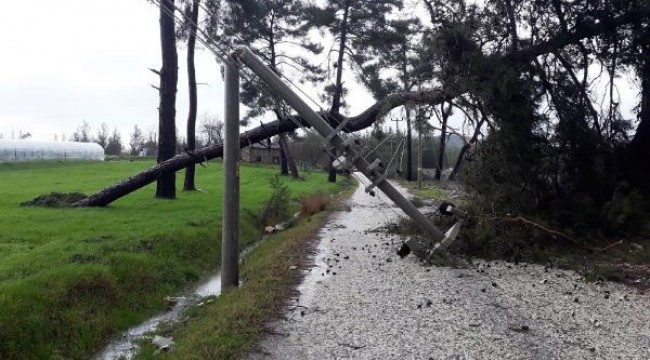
(70, 279)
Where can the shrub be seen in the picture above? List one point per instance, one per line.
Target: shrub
(314, 204)
(277, 208)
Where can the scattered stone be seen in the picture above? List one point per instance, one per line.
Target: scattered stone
(520, 329)
(163, 343)
(171, 300)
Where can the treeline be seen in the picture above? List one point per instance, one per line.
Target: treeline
(139, 143)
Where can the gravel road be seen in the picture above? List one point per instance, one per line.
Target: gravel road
(361, 301)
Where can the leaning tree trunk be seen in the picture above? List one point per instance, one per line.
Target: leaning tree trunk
(463, 150)
(191, 77)
(166, 184)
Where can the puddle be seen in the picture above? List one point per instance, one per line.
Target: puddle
(125, 348)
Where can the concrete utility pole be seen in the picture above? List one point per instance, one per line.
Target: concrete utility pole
(230, 223)
(375, 171)
(419, 120)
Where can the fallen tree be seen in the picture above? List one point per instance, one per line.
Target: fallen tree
(367, 117)
(262, 132)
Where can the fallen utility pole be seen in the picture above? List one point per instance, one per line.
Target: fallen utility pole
(348, 148)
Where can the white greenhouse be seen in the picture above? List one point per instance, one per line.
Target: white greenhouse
(28, 150)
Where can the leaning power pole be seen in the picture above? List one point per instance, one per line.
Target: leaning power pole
(347, 148)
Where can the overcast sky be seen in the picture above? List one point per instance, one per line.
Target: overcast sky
(69, 60)
(66, 61)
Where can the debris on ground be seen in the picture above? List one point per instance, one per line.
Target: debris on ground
(163, 344)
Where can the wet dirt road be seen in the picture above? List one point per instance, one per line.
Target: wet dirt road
(361, 301)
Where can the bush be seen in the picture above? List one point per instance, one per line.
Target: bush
(277, 208)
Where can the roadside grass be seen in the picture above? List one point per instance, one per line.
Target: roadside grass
(233, 324)
(230, 326)
(71, 279)
(428, 190)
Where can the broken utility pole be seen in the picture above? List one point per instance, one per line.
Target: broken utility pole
(347, 148)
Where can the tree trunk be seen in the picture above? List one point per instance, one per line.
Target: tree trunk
(331, 169)
(463, 150)
(443, 140)
(638, 154)
(191, 116)
(336, 102)
(290, 163)
(166, 184)
(409, 147)
(284, 167)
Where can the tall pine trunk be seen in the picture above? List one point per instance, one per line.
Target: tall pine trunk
(284, 167)
(166, 183)
(288, 160)
(336, 101)
(409, 146)
(638, 154)
(191, 77)
(443, 140)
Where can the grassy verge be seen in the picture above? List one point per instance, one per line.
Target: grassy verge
(428, 190)
(229, 327)
(70, 279)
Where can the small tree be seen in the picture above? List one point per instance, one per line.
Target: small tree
(82, 134)
(212, 130)
(136, 141)
(114, 145)
(102, 136)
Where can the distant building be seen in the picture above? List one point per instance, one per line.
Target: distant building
(259, 153)
(29, 150)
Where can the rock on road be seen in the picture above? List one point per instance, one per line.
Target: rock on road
(361, 301)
